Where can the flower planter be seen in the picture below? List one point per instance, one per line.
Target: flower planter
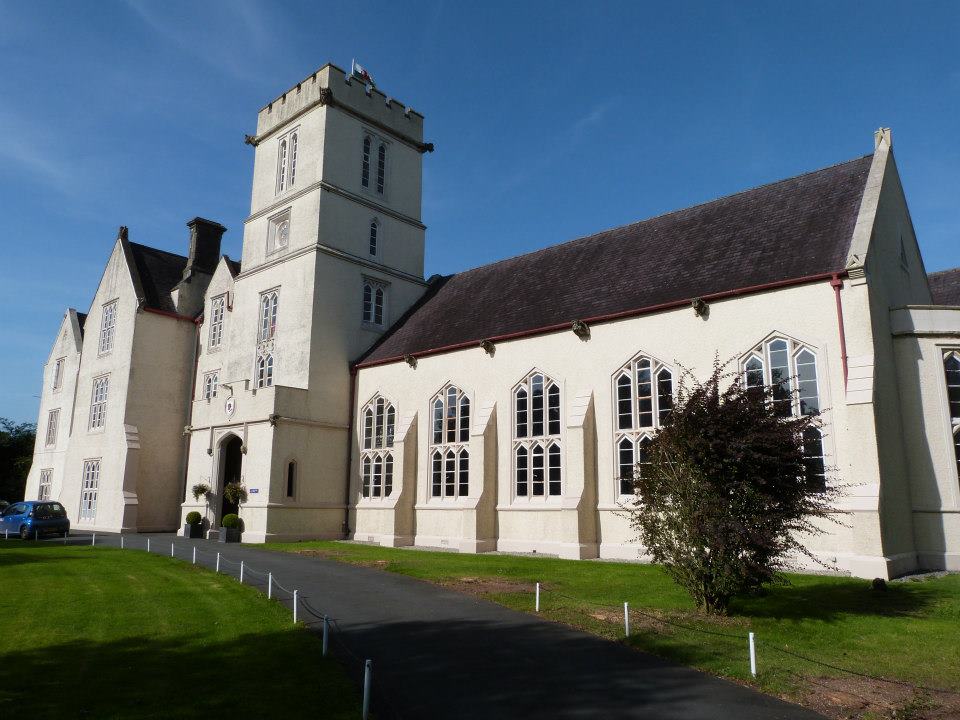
(192, 531)
(229, 535)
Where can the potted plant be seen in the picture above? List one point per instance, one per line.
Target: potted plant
(231, 528)
(193, 527)
(198, 490)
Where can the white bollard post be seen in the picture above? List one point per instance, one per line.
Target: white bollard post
(148, 544)
(241, 571)
(171, 549)
(93, 539)
(218, 562)
(367, 681)
(295, 607)
(269, 586)
(626, 619)
(121, 542)
(6, 534)
(326, 634)
(194, 554)
(36, 535)
(753, 657)
(537, 602)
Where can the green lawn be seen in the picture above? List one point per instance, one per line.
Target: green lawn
(911, 632)
(104, 633)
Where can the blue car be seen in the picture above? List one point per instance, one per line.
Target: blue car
(35, 518)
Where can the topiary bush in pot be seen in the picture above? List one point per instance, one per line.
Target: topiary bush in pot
(193, 527)
(231, 527)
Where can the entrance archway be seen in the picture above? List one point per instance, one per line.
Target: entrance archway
(231, 463)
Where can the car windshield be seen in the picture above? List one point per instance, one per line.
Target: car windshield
(47, 511)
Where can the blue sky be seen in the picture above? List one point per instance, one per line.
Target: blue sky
(550, 120)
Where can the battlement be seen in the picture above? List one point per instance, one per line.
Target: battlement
(330, 85)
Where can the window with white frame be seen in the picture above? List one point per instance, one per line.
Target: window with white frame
(287, 160)
(374, 301)
(374, 146)
(373, 245)
(278, 232)
(951, 369)
(537, 465)
(265, 371)
(53, 419)
(211, 381)
(787, 371)
(108, 326)
(58, 374)
(98, 402)
(217, 307)
(269, 305)
(88, 492)
(449, 438)
(643, 392)
(376, 453)
(46, 484)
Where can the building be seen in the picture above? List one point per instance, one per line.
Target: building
(499, 408)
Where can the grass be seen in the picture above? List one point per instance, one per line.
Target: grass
(100, 633)
(908, 633)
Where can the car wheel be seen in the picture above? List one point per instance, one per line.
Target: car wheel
(24, 533)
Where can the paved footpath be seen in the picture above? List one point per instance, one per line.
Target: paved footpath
(440, 654)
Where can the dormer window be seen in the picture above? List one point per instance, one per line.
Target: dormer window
(287, 160)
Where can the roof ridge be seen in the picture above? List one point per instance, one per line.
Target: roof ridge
(154, 249)
(662, 215)
(943, 272)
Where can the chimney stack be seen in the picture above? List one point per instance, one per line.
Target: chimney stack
(204, 246)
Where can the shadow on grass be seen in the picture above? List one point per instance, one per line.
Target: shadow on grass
(834, 598)
(270, 675)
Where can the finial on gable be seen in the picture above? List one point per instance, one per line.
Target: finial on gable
(122, 233)
(881, 135)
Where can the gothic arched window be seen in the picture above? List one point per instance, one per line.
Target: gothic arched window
(379, 425)
(537, 456)
(374, 238)
(265, 371)
(788, 371)
(951, 369)
(374, 302)
(365, 168)
(381, 167)
(450, 433)
(269, 306)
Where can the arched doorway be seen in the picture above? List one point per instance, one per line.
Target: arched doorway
(231, 462)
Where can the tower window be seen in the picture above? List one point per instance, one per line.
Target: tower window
(381, 166)
(374, 302)
(265, 371)
(374, 245)
(291, 479)
(287, 160)
(210, 383)
(365, 170)
(269, 305)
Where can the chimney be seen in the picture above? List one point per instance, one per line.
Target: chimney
(204, 246)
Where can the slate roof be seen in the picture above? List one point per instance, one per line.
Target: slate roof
(783, 231)
(158, 271)
(945, 287)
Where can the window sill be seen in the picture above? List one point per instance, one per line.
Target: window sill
(533, 506)
(372, 326)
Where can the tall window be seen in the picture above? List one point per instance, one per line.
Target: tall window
(376, 456)
(98, 402)
(788, 371)
(365, 168)
(53, 419)
(210, 382)
(381, 166)
(88, 493)
(951, 368)
(374, 244)
(374, 301)
(291, 479)
(449, 436)
(46, 484)
(536, 447)
(643, 390)
(269, 303)
(217, 306)
(287, 160)
(58, 374)
(265, 371)
(108, 324)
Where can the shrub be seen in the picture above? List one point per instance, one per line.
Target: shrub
(231, 522)
(194, 518)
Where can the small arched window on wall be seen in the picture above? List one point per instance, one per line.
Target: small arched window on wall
(643, 390)
(287, 160)
(449, 436)
(951, 369)
(365, 166)
(374, 302)
(537, 456)
(373, 245)
(291, 479)
(376, 453)
(788, 372)
(265, 371)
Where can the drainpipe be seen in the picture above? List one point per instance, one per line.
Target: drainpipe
(193, 389)
(346, 487)
(836, 283)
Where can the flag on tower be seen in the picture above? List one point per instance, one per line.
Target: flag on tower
(360, 72)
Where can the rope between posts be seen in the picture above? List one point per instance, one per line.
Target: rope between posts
(276, 584)
(249, 569)
(310, 609)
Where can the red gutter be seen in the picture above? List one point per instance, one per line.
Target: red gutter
(615, 316)
(166, 313)
(836, 283)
